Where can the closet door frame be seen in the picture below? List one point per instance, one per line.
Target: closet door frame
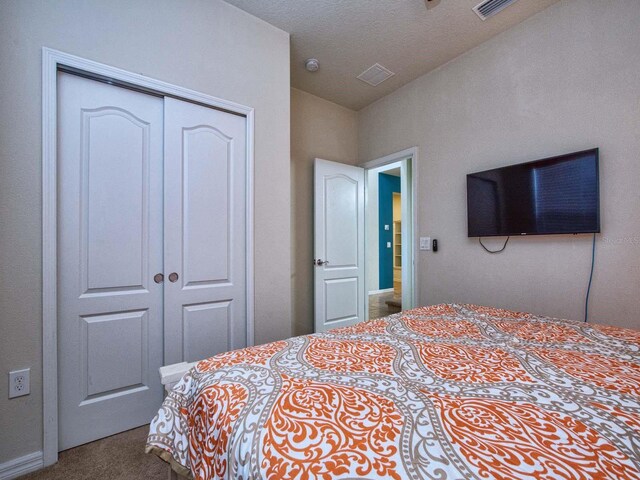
(52, 62)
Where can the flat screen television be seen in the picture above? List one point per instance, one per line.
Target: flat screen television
(557, 195)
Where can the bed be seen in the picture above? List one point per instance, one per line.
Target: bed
(440, 392)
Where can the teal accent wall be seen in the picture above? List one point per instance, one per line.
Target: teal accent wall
(387, 186)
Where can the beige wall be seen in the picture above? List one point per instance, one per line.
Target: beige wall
(206, 45)
(566, 79)
(319, 129)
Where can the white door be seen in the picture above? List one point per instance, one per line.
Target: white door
(204, 232)
(339, 245)
(109, 249)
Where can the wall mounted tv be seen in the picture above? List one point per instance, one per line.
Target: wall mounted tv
(557, 195)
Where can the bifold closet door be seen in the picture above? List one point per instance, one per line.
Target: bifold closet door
(109, 249)
(204, 231)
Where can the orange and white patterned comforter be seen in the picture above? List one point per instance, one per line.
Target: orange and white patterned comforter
(442, 392)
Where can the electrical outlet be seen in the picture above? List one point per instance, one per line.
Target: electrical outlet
(19, 383)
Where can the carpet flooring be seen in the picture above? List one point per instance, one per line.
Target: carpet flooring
(118, 457)
(377, 306)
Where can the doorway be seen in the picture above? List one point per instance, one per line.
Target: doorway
(389, 235)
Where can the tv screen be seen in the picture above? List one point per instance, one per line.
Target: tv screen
(550, 196)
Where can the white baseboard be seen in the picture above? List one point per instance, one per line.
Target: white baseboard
(384, 290)
(21, 466)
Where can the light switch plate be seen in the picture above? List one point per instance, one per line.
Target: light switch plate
(425, 243)
(388, 244)
(386, 227)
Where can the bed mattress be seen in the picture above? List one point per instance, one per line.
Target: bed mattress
(441, 392)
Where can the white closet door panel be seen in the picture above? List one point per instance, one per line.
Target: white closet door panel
(207, 206)
(109, 248)
(206, 328)
(115, 164)
(114, 351)
(205, 231)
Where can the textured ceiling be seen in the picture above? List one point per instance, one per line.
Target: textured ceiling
(348, 36)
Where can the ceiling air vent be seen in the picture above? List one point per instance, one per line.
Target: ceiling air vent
(375, 75)
(491, 7)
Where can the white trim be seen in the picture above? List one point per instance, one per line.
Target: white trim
(51, 59)
(407, 233)
(49, 260)
(21, 466)
(411, 154)
(392, 158)
(250, 281)
(384, 290)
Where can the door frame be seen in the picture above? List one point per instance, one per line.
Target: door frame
(411, 156)
(52, 62)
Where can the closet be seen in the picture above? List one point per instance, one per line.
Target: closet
(151, 261)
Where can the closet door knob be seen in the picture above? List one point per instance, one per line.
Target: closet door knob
(173, 277)
(158, 278)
